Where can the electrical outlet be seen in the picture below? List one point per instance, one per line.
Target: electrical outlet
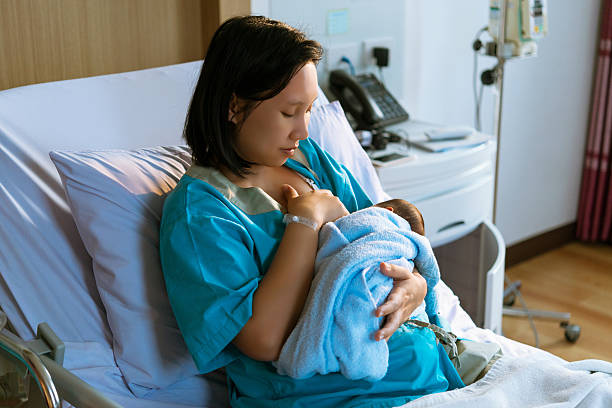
(334, 53)
(369, 45)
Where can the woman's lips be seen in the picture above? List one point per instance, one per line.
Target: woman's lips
(289, 152)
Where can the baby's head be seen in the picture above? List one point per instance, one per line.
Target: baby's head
(407, 211)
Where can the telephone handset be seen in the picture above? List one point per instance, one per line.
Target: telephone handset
(367, 100)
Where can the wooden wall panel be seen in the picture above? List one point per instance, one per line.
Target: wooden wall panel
(216, 12)
(50, 40)
(47, 40)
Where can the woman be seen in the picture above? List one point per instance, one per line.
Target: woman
(239, 232)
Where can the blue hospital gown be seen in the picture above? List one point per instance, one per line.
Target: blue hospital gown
(216, 242)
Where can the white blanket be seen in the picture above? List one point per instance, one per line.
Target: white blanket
(532, 382)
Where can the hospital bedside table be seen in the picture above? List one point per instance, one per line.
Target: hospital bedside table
(454, 192)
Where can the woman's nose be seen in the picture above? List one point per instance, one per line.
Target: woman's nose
(300, 131)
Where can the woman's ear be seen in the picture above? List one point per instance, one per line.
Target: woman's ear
(233, 111)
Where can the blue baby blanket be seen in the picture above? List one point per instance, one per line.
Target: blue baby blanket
(335, 331)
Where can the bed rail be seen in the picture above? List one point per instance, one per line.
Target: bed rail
(47, 371)
(32, 362)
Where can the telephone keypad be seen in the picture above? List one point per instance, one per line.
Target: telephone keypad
(393, 112)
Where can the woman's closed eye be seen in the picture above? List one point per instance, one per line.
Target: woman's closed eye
(290, 115)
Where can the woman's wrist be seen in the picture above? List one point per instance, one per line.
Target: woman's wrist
(299, 219)
(308, 213)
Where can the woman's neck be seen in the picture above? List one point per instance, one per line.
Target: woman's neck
(256, 178)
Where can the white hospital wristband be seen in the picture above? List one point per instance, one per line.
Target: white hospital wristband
(289, 218)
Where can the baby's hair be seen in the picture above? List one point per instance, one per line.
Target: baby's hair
(407, 211)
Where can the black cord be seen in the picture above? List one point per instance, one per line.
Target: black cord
(380, 74)
(405, 138)
(476, 98)
(477, 46)
(478, 106)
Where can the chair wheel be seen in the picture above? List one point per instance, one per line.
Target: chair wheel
(572, 331)
(510, 299)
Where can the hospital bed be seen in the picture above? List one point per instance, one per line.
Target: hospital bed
(90, 324)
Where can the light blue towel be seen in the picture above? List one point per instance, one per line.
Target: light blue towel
(335, 331)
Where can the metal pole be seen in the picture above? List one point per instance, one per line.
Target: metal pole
(498, 116)
(542, 314)
(499, 84)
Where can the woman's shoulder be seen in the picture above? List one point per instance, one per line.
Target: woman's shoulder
(197, 182)
(195, 193)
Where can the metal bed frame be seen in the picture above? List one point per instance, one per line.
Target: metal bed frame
(41, 359)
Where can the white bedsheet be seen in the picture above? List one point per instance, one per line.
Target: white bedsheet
(532, 382)
(94, 363)
(524, 377)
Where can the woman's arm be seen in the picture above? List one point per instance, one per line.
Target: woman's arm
(282, 292)
(280, 296)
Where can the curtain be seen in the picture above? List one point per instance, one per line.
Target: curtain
(594, 221)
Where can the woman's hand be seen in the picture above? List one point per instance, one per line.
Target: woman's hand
(409, 290)
(321, 206)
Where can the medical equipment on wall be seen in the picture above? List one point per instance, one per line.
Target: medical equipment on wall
(520, 23)
(514, 26)
(526, 22)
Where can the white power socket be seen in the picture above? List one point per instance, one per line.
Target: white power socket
(334, 53)
(368, 47)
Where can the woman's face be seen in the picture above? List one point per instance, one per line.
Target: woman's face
(273, 130)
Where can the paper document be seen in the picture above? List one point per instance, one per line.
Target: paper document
(438, 146)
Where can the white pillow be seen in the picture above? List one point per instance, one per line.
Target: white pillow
(332, 131)
(116, 198)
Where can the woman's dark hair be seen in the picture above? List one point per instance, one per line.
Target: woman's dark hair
(253, 58)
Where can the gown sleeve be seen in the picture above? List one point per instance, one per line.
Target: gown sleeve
(210, 281)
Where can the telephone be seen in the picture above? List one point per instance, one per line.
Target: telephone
(366, 100)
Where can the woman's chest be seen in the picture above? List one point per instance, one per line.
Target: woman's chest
(284, 175)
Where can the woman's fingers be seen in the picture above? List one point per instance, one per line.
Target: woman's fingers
(409, 289)
(395, 310)
(392, 323)
(393, 303)
(320, 206)
(289, 191)
(395, 271)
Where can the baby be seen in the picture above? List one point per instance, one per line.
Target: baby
(334, 332)
(410, 213)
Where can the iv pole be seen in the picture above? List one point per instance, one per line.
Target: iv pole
(572, 331)
(499, 85)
